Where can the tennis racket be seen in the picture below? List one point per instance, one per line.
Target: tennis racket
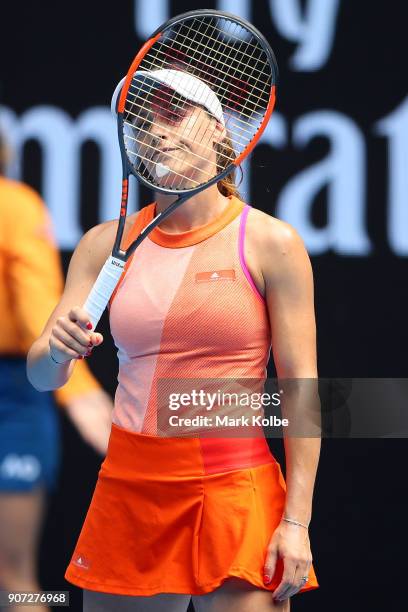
(208, 79)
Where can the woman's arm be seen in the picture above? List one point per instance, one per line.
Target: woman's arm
(290, 299)
(288, 279)
(66, 336)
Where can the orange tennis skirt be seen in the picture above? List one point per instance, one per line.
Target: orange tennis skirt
(159, 522)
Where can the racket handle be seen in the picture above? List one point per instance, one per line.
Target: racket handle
(103, 288)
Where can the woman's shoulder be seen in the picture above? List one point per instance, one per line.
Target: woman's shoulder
(269, 232)
(96, 244)
(276, 248)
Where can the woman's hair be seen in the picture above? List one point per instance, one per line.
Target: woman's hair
(225, 155)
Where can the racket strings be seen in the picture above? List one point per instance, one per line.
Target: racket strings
(200, 170)
(235, 70)
(146, 136)
(192, 48)
(228, 158)
(147, 159)
(145, 118)
(240, 53)
(245, 111)
(220, 82)
(149, 146)
(192, 33)
(140, 89)
(161, 62)
(233, 65)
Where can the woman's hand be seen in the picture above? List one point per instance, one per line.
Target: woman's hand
(292, 544)
(71, 337)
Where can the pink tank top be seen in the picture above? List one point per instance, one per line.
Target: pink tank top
(187, 308)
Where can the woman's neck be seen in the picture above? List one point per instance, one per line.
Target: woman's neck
(198, 210)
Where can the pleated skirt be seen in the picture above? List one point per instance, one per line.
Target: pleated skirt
(159, 522)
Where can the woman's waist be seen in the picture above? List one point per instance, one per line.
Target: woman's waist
(196, 361)
(137, 456)
(183, 407)
(204, 386)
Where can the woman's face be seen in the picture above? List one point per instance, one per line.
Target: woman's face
(175, 141)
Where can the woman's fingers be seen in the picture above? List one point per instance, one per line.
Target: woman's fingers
(287, 583)
(60, 352)
(291, 583)
(80, 316)
(70, 341)
(301, 570)
(70, 337)
(96, 338)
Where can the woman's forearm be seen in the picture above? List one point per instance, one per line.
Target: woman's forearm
(302, 440)
(302, 457)
(42, 372)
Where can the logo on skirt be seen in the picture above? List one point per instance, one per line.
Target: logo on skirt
(81, 561)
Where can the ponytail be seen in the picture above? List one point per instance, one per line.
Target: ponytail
(225, 155)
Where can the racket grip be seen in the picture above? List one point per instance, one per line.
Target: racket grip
(103, 288)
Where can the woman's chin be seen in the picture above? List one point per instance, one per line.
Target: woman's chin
(170, 178)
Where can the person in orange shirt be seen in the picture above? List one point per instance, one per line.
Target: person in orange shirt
(31, 283)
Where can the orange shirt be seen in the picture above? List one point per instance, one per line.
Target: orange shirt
(31, 279)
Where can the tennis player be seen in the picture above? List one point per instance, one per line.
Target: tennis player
(30, 286)
(204, 517)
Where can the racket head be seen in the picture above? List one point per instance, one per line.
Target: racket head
(195, 101)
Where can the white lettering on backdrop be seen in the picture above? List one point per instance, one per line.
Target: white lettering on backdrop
(312, 29)
(60, 139)
(342, 172)
(395, 129)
